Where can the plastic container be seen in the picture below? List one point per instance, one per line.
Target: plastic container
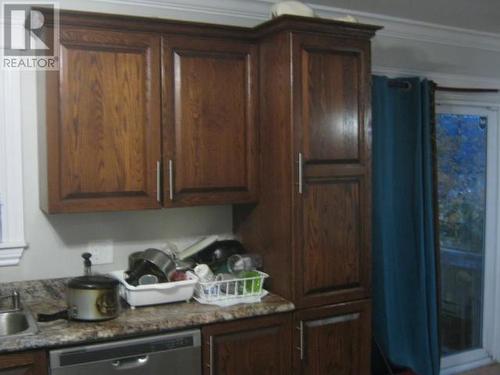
(155, 294)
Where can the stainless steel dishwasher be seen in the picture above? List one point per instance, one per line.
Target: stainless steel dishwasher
(176, 353)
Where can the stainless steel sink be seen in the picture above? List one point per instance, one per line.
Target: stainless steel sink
(15, 323)
(16, 320)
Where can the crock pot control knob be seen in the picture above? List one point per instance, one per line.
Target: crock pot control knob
(87, 264)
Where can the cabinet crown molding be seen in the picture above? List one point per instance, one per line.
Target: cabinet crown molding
(250, 13)
(173, 26)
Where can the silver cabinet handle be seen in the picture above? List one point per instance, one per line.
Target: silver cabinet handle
(334, 320)
(211, 347)
(171, 179)
(300, 348)
(158, 181)
(300, 162)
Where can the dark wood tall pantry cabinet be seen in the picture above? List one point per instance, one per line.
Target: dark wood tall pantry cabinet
(313, 220)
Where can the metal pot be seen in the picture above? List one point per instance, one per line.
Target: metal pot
(151, 263)
(132, 258)
(89, 297)
(93, 298)
(163, 262)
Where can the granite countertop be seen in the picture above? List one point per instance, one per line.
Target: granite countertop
(48, 296)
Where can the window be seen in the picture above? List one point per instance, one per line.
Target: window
(467, 153)
(11, 190)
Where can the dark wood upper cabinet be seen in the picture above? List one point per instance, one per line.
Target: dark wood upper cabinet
(333, 340)
(27, 363)
(248, 347)
(148, 114)
(209, 111)
(101, 141)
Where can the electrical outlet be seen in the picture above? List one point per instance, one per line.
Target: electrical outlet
(102, 251)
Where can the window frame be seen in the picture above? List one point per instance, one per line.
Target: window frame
(11, 169)
(491, 298)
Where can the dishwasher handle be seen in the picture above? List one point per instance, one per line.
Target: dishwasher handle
(130, 363)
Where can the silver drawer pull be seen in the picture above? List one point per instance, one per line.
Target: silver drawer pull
(211, 355)
(300, 174)
(130, 363)
(333, 320)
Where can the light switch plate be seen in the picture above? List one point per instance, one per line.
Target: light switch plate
(102, 251)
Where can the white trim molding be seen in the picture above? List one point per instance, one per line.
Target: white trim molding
(229, 12)
(468, 361)
(251, 10)
(11, 169)
(445, 79)
(12, 256)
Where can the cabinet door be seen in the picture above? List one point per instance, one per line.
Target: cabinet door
(32, 363)
(333, 259)
(209, 102)
(332, 98)
(332, 127)
(248, 347)
(333, 340)
(103, 122)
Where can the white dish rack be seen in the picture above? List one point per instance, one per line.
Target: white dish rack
(155, 294)
(232, 291)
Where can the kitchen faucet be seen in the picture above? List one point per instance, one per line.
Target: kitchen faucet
(16, 301)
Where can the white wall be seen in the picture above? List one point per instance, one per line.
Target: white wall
(55, 242)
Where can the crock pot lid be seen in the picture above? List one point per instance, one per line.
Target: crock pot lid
(93, 282)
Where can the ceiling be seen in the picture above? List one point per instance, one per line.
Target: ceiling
(482, 15)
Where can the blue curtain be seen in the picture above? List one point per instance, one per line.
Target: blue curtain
(405, 298)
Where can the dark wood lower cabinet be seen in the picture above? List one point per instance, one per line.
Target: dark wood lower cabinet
(333, 340)
(32, 363)
(328, 340)
(257, 346)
